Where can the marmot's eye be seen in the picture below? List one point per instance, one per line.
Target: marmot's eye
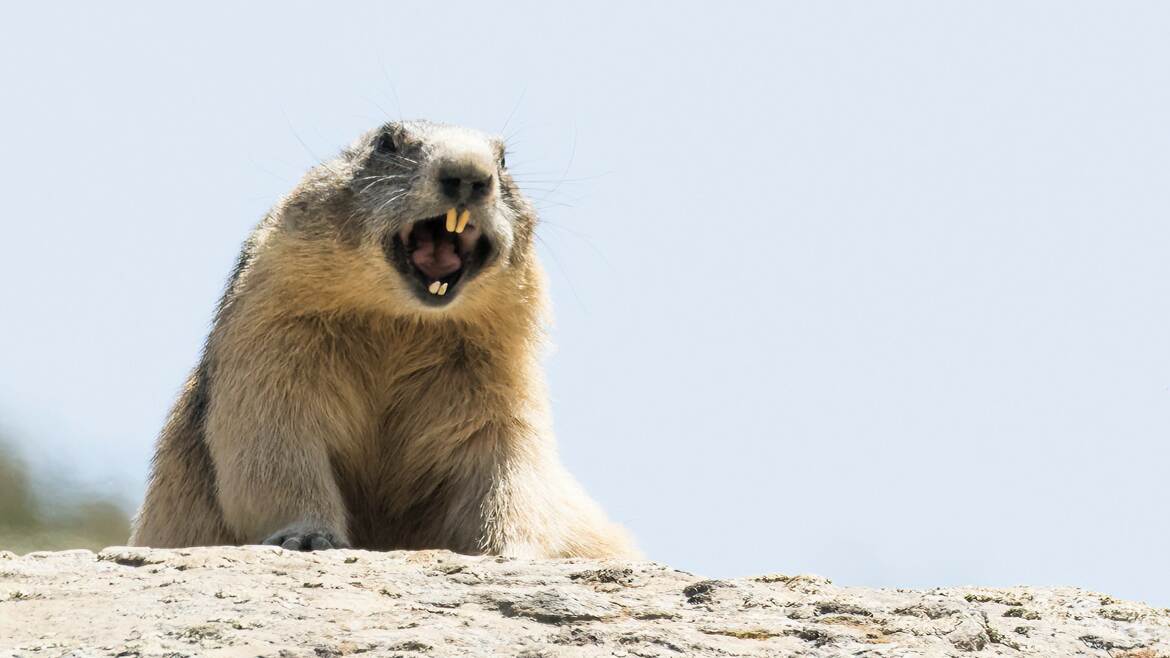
(386, 144)
(503, 162)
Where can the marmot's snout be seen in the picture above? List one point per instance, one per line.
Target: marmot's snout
(465, 180)
(450, 205)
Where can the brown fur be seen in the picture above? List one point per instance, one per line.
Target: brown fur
(327, 398)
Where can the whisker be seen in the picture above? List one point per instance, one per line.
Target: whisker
(514, 109)
(393, 89)
(387, 202)
(383, 176)
(579, 179)
(395, 158)
(380, 108)
(551, 204)
(378, 180)
(557, 262)
(552, 193)
(588, 240)
(508, 139)
(367, 187)
(305, 146)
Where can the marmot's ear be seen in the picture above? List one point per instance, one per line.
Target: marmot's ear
(387, 142)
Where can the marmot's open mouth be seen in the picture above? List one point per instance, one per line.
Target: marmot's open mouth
(438, 253)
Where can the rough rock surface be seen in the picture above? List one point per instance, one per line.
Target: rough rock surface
(269, 602)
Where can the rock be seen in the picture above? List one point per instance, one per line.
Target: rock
(264, 601)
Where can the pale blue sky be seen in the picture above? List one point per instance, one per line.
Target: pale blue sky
(876, 290)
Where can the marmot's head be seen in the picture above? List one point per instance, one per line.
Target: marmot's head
(431, 209)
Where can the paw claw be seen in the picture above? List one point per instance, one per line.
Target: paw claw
(319, 543)
(301, 538)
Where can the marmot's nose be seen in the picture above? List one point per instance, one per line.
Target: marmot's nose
(464, 183)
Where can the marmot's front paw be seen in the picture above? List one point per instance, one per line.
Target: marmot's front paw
(306, 538)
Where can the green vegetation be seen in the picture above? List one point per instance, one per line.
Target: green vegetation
(32, 520)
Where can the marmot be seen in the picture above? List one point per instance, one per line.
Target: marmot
(371, 378)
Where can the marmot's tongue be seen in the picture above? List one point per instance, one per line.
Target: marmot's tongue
(436, 259)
